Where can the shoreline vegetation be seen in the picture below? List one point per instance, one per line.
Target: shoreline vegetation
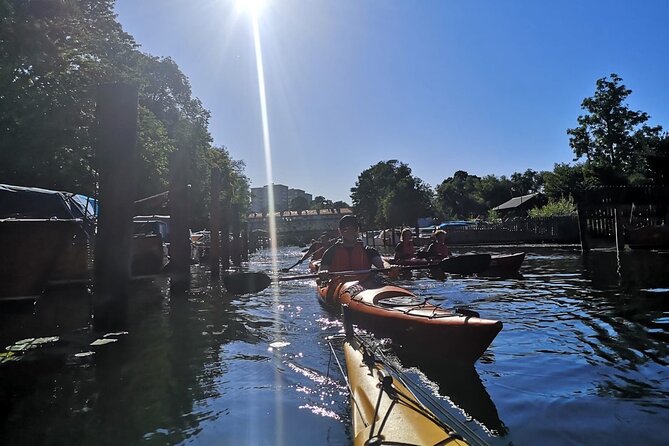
(55, 54)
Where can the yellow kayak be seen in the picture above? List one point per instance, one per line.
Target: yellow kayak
(385, 411)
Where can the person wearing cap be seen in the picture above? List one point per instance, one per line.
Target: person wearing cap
(438, 248)
(349, 253)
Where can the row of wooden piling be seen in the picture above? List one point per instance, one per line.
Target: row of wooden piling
(116, 152)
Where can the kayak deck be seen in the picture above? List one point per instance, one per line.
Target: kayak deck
(384, 410)
(396, 313)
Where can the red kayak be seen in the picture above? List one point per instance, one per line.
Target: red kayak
(396, 313)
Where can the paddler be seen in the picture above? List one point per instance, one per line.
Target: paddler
(438, 248)
(405, 248)
(318, 247)
(349, 253)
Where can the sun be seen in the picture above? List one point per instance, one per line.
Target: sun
(251, 7)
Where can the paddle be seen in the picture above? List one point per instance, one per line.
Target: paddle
(285, 270)
(243, 283)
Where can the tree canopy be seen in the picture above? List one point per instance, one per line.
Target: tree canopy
(53, 54)
(614, 140)
(387, 194)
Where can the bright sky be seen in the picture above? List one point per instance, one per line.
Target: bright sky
(488, 87)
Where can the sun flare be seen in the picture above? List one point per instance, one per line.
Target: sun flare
(250, 7)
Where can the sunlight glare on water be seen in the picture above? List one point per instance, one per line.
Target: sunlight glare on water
(255, 7)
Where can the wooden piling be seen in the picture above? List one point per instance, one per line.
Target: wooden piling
(179, 221)
(583, 227)
(116, 152)
(235, 227)
(225, 233)
(215, 222)
(245, 242)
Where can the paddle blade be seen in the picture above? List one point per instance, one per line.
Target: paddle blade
(244, 283)
(466, 264)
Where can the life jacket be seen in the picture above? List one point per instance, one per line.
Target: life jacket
(318, 254)
(406, 249)
(439, 250)
(350, 259)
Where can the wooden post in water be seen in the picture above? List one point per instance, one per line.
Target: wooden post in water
(225, 220)
(116, 153)
(179, 221)
(245, 241)
(235, 251)
(215, 222)
(583, 227)
(619, 228)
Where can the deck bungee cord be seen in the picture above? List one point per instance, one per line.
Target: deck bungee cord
(404, 398)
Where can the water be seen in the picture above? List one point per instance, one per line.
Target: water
(582, 359)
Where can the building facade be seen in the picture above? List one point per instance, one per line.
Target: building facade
(283, 196)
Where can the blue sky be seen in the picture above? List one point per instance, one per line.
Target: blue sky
(488, 87)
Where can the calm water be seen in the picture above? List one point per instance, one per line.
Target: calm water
(582, 359)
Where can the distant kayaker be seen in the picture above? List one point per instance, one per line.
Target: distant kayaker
(318, 247)
(438, 248)
(405, 248)
(349, 253)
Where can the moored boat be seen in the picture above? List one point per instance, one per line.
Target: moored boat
(394, 312)
(384, 410)
(648, 237)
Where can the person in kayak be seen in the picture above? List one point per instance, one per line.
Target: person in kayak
(438, 248)
(349, 253)
(405, 248)
(318, 247)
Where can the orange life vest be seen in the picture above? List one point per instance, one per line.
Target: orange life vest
(350, 259)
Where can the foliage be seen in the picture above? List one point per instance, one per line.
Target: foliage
(387, 194)
(319, 202)
(299, 204)
(340, 205)
(53, 54)
(563, 181)
(459, 197)
(563, 206)
(614, 140)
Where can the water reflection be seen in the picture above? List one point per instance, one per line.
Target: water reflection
(584, 346)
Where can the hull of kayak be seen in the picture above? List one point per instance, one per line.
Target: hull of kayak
(384, 409)
(504, 265)
(396, 313)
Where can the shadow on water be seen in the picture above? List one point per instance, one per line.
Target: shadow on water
(145, 382)
(459, 383)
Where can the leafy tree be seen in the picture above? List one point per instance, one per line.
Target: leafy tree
(563, 181)
(299, 204)
(53, 54)
(561, 207)
(494, 191)
(658, 161)
(340, 204)
(526, 183)
(458, 197)
(387, 194)
(320, 202)
(613, 139)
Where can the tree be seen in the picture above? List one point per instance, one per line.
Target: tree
(320, 202)
(340, 204)
(526, 183)
(387, 194)
(299, 204)
(457, 196)
(613, 139)
(563, 181)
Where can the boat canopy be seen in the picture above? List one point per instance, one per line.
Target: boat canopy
(33, 202)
